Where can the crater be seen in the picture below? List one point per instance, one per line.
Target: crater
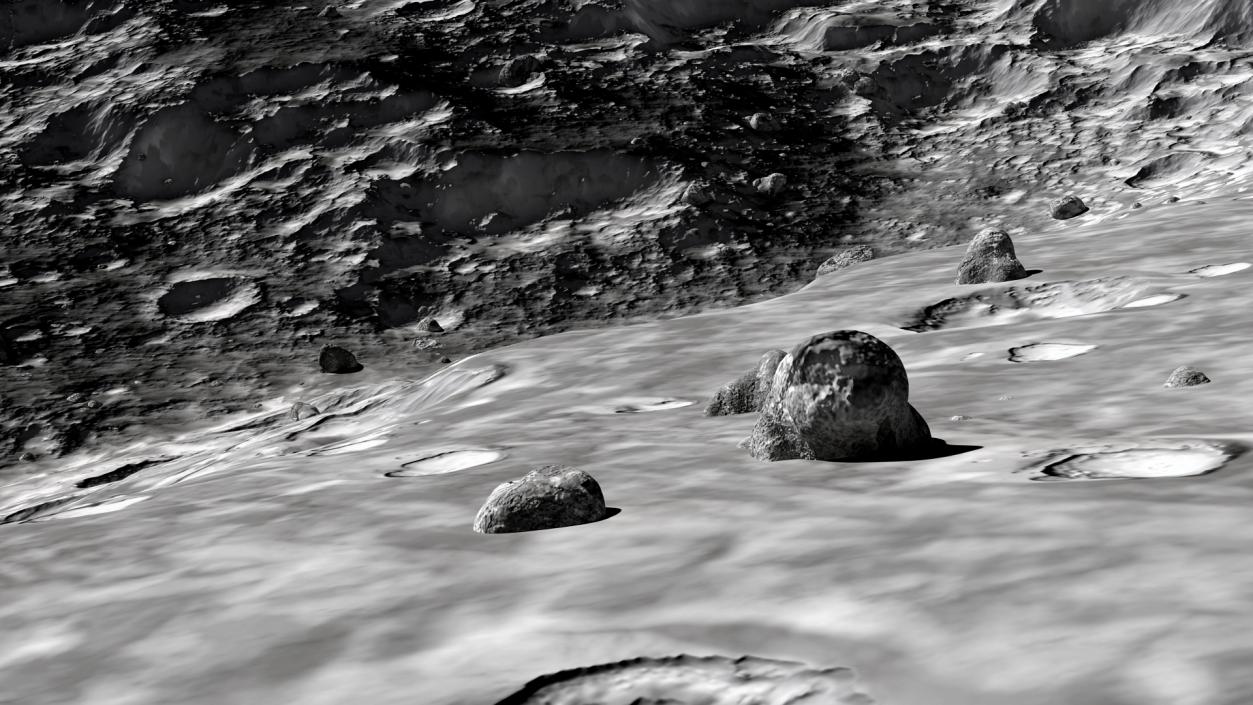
(446, 462)
(694, 680)
(1045, 352)
(1220, 270)
(1183, 460)
(209, 299)
(1002, 306)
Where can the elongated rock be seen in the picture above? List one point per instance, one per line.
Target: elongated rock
(842, 395)
(748, 393)
(549, 497)
(1186, 377)
(990, 258)
(845, 259)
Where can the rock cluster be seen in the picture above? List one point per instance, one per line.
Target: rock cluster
(846, 258)
(989, 258)
(841, 395)
(549, 497)
(747, 393)
(337, 360)
(1069, 207)
(1186, 377)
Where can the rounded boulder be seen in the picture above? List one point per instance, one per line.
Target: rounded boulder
(549, 497)
(842, 395)
(990, 257)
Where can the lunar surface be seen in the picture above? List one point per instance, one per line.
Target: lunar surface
(549, 231)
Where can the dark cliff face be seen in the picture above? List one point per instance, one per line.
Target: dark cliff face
(513, 168)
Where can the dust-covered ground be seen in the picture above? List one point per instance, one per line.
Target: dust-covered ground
(171, 534)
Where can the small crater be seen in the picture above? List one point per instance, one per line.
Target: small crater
(694, 680)
(1184, 460)
(210, 299)
(1044, 352)
(1219, 270)
(1002, 306)
(446, 462)
(663, 405)
(1155, 300)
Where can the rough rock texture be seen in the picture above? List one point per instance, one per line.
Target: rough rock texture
(771, 184)
(301, 411)
(1069, 207)
(747, 393)
(845, 259)
(1186, 377)
(990, 258)
(336, 360)
(842, 395)
(545, 498)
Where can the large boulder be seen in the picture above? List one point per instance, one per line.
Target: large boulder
(549, 497)
(336, 360)
(841, 395)
(747, 393)
(1069, 207)
(990, 258)
(845, 259)
(1186, 377)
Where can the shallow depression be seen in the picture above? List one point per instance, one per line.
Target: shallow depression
(1044, 352)
(1182, 461)
(446, 462)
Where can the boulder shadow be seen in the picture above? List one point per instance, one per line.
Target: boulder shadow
(936, 448)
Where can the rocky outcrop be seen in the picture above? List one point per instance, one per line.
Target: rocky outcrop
(990, 258)
(845, 259)
(549, 497)
(1069, 207)
(747, 393)
(842, 395)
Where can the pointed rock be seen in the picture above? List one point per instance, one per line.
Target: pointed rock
(747, 393)
(337, 360)
(841, 395)
(549, 497)
(1068, 208)
(432, 326)
(990, 258)
(1186, 377)
(845, 259)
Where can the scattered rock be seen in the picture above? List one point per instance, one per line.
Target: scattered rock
(746, 394)
(301, 411)
(1186, 377)
(549, 497)
(990, 258)
(770, 184)
(763, 122)
(845, 259)
(336, 360)
(841, 395)
(1069, 207)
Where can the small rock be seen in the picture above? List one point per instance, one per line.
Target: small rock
(1137, 204)
(770, 184)
(93, 404)
(545, 498)
(74, 398)
(959, 417)
(301, 411)
(989, 258)
(1068, 208)
(1186, 377)
(28, 457)
(841, 395)
(1172, 199)
(763, 122)
(445, 360)
(846, 258)
(337, 360)
(329, 11)
(519, 70)
(432, 326)
(747, 393)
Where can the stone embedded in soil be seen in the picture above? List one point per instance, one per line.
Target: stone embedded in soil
(990, 258)
(301, 411)
(845, 259)
(770, 184)
(1186, 377)
(1069, 207)
(763, 122)
(549, 497)
(842, 395)
(432, 326)
(336, 360)
(694, 680)
(747, 393)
